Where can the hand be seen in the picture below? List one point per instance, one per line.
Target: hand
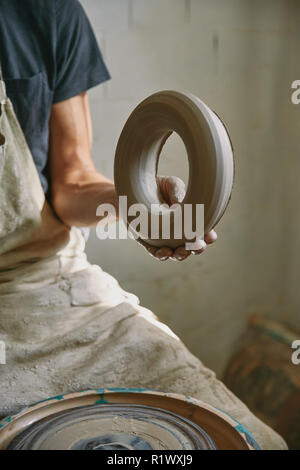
(172, 190)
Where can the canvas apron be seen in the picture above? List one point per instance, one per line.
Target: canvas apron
(67, 325)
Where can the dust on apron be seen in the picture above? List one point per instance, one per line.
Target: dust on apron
(67, 325)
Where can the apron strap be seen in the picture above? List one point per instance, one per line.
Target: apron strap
(2, 87)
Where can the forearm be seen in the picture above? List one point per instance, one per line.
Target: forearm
(75, 201)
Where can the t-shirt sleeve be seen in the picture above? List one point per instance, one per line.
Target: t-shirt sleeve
(79, 62)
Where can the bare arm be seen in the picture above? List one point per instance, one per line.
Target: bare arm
(77, 187)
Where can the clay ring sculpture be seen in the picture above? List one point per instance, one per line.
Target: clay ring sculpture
(209, 151)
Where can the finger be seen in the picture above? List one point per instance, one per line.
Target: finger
(198, 252)
(210, 237)
(200, 246)
(172, 189)
(197, 245)
(180, 254)
(177, 190)
(163, 186)
(163, 253)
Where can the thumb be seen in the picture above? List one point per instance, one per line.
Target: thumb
(172, 189)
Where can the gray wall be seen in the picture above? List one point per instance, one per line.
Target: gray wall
(240, 57)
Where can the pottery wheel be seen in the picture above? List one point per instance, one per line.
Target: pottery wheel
(113, 427)
(123, 419)
(208, 148)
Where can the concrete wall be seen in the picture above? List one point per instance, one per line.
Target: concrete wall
(236, 56)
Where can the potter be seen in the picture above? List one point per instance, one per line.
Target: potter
(67, 324)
